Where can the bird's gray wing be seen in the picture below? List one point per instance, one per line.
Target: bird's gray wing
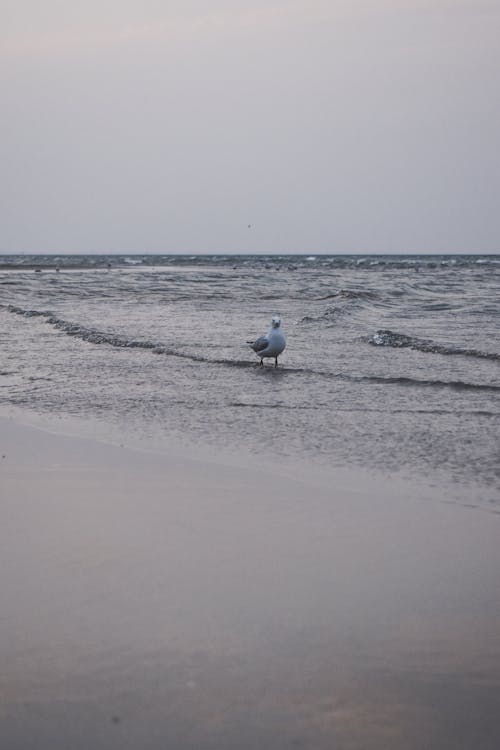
(260, 344)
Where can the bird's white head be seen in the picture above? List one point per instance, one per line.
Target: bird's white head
(276, 321)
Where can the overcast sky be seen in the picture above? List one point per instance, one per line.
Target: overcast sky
(170, 126)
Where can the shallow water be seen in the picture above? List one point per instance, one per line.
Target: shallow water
(392, 363)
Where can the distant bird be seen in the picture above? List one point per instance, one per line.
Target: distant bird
(271, 344)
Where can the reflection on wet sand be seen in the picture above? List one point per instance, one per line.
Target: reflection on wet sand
(154, 601)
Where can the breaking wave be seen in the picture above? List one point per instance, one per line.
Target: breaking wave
(401, 341)
(94, 336)
(355, 294)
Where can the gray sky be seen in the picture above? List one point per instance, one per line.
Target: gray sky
(339, 126)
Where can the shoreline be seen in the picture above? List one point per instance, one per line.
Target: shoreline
(438, 489)
(180, 600)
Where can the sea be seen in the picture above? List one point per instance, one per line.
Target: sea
(392, 363)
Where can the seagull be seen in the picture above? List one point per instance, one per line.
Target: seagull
(271, 344)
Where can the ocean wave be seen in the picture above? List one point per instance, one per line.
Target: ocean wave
(371, 263)
(346, 302)
(401, 380)
(364, 410)
(94, 336)
(405, 381)
(358, 294)
(327, 316)
(267, 406)
(355, 294)
(401, 341)
(28, 313)
(459, 385)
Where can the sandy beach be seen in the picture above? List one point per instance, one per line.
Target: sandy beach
(217, 531)
(161, 600)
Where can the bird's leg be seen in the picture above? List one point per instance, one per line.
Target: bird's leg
(262, 363)
(276, 361)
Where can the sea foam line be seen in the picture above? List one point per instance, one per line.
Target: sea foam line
(401, 341)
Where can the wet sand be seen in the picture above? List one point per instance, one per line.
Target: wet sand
(166, 600)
